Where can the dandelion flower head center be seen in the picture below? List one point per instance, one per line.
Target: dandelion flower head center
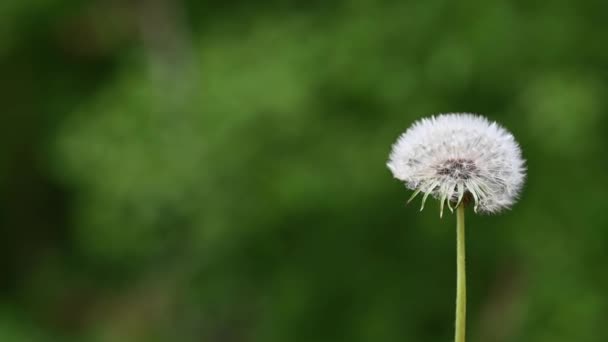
(459, 168)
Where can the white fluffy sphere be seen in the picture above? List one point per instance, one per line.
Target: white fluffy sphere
(460, 156)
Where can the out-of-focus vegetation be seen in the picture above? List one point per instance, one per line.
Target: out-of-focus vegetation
(214, 171)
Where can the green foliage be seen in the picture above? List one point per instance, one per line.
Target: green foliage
(197, 171)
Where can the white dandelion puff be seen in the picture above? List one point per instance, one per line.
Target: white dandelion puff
(460, 157)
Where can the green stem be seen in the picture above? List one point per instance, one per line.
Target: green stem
(461, 282)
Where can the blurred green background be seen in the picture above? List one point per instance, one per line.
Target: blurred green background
(215, 171)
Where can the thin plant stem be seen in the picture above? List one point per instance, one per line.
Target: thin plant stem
(461, 282)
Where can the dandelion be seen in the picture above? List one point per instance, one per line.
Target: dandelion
(460, 158)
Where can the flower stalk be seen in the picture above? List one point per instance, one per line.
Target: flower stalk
(461, 280)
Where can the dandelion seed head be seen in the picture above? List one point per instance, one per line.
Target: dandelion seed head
(458, 157)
